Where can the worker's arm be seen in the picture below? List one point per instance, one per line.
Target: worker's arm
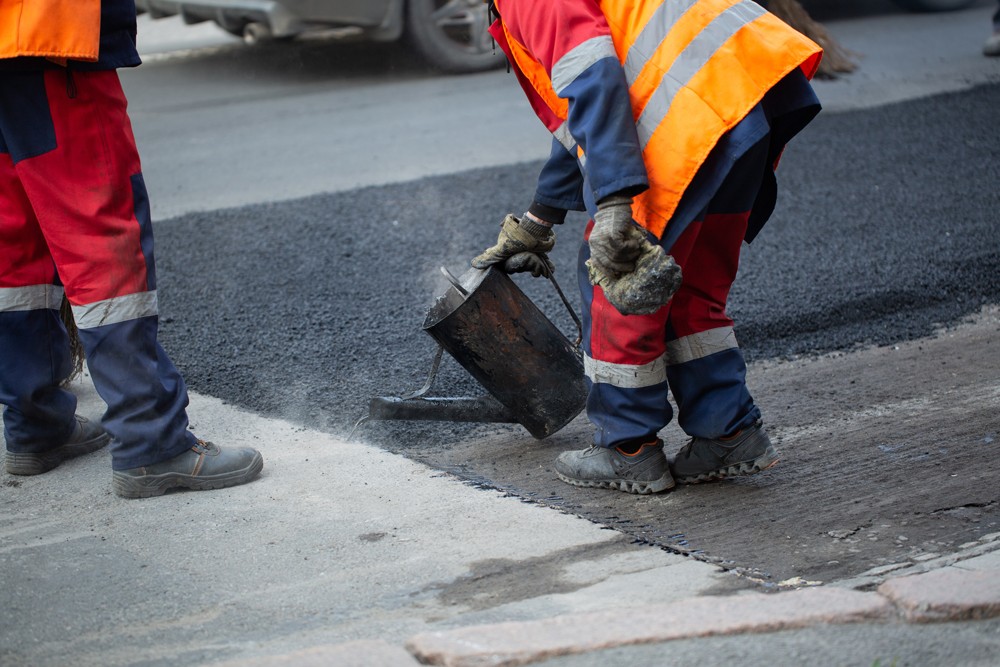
(572, 41)
(560, 187)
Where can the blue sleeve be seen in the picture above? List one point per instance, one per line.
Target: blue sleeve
(600, 121)
(560, 186)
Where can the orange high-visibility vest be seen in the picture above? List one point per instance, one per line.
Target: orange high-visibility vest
(57, 29)
(695, 68)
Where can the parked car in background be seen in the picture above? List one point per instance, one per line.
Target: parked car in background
(451, 35)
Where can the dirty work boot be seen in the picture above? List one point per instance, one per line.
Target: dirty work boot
(646, 471)
(704, 460)
(87, 437)
(204, 466)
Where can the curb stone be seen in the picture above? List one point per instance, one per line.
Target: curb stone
(519, 643)
(951, 594)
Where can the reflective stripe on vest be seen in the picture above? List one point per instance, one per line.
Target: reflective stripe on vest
(695, 68)
(57, 29)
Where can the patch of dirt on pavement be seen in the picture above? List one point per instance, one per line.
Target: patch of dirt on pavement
(889, 455)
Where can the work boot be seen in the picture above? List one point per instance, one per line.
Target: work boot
(205, 466)
(704, 460)
(645, 471)
(87, 437)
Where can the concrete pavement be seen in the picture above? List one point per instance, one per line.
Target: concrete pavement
(887, 623)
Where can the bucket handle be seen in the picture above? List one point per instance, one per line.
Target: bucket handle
(464, 292)
(430, 376)
(572, 313)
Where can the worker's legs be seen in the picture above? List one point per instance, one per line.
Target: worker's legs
(74, 156)
(630, 358)
(627, 402)
(705, 366)
(625, 367)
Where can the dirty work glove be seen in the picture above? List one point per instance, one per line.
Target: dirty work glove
(518, 236)
(646, 289)
(537, 264)
(615, 241)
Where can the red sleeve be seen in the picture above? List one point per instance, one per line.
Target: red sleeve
(549, 29)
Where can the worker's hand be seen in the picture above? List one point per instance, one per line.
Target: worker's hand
(536, 263)
(615, 241)
(644, 291)
(519, 237)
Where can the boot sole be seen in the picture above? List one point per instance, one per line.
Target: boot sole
(36, 464)
(664, 483)
(768, 459)
(150, 486)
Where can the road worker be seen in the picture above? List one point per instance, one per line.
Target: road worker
(668, 118)
(75, 220)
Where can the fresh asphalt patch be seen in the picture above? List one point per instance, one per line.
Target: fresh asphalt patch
(885, 233)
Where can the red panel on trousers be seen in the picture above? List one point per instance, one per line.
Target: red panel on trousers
(107, 260)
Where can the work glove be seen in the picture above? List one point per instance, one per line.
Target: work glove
(646, 289)
(521, 246)
(537, 264)
(615, 241)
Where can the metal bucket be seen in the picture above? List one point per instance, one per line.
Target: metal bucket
(495, 332)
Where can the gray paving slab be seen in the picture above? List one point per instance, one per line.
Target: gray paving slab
(988, 561)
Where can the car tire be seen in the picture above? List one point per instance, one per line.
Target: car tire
(934, 5)
(451, 35)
